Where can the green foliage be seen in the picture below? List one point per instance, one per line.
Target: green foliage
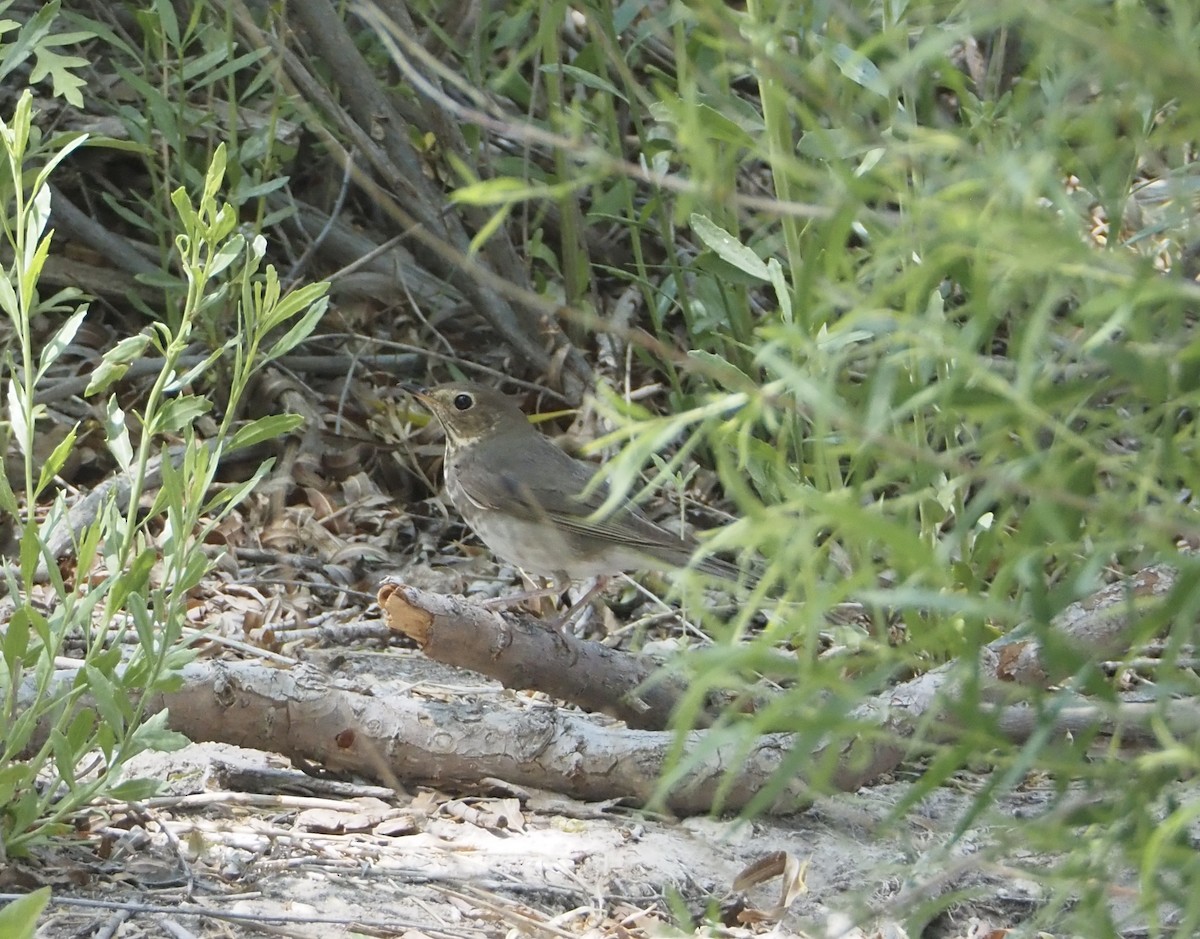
(910, 259)
(902, 266)
(64, 739)
(36, 38)
(193, 87)
(18, 920)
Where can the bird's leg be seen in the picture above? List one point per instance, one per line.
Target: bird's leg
(559, 622)
(552, 589)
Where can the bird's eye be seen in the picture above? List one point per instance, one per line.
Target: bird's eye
(463, 401)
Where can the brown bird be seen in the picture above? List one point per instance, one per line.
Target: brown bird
(533, 505)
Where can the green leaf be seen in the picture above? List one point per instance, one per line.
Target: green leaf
(117, 434)
(230, 496)
(65, 759)
(31, 548)
(8, 298)
(503, 190)
(782, 293)
(729, 248)
(858, 68)
(167, 21)
(155, 735)
(284, 308)
(107, 695)
(58, 68)
(184, 380)
(731, 129)
(37, 216)
(30, 38)
(79, 733)
(264, 428)
(187, 213)
(180, 412)
(56, 460)
(116, 362)
(213, 178)
(724, 371)
(299, 332)
(133, 579)
(586, 78)
(14, 642)
(488, 228)
(15, 776)
(16, 416)
(226, 254)
(64, 145)
(18, 920)
(135, 790)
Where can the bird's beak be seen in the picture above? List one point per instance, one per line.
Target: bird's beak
(420, 392)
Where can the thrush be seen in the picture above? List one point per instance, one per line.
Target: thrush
(537, 507)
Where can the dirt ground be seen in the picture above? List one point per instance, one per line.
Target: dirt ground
(241, 844)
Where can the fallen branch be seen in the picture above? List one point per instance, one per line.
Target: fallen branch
(521, 652)
(301, 714)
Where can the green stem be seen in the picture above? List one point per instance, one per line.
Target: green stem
(781, 147)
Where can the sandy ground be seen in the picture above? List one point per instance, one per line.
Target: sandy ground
(241, 844)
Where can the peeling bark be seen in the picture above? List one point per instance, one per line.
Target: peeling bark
(522, 652)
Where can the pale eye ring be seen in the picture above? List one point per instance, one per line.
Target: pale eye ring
(463, 402)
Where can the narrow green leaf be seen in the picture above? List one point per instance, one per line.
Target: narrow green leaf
(264, 428)
(724, 371)
(858, 68)
(167, 20)
(503, 190)
(133, 579)
(488, 228)
(181, 412)
(135, 790)
(36, 218)
(202, 65)
(227, 253)
(14, 776)
(186, 212)
(56, 460)
(8, 298)
(14, 642)
(116, 362)
(299, 332)
(728, 248)
(184, 380)
(154, 734)
(586, 78)
(79, 733)
(106, 695)
(63, 145)
(229, 496)
(212, 185)
(287, 306)
(18, 920)
(117, 434)
(65, 759)
(782, 293)
(16, 416)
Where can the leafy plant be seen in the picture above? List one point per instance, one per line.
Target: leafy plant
(911, 294)
(19, 918)
(64, 738)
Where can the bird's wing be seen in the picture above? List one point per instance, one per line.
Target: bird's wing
(566, 505)
(566, 500)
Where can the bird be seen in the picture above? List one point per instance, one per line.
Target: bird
(537, 507)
